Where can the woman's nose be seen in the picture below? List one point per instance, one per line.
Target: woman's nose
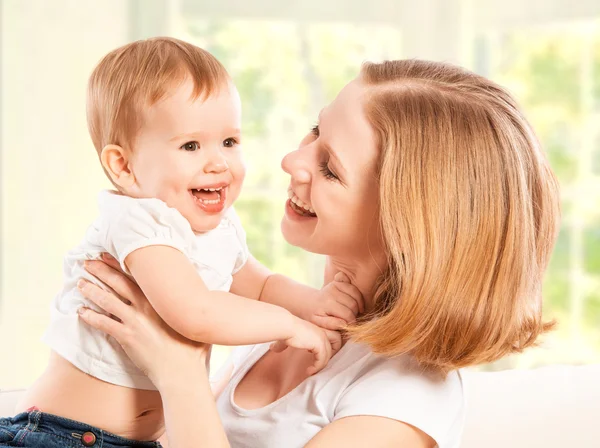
(297, 166)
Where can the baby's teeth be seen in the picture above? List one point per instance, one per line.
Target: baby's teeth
(311, 210)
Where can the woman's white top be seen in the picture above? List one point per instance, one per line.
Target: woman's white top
(355, 382)
(124, 225)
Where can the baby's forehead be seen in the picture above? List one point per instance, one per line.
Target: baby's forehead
(185, 111)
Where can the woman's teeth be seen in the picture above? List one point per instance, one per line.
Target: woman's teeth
(296, 200)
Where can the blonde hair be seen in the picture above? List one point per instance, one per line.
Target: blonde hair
(137, 75)
(469, 214)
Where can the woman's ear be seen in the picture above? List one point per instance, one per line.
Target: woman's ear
(115, 161)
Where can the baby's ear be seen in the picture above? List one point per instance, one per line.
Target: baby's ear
(115, 161)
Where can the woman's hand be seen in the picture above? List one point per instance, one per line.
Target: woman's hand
(159, 351)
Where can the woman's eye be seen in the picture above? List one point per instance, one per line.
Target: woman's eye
(315, 130)
(327, 172)
(229, 143)
(190, 146)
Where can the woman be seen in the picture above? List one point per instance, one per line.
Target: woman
(430, 192)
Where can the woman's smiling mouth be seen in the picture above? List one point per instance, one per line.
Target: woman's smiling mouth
(299, 206)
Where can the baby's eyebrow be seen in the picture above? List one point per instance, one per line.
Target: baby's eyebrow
(226, 133)
(183, 136)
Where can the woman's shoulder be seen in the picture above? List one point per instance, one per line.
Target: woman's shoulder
(364, 363)
(400, 389)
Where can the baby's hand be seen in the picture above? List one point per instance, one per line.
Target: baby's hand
(323, 344)
(335, 305)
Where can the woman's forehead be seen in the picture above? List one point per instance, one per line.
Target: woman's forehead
(346, 127)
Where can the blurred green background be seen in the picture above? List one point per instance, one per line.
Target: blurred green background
(288, 59)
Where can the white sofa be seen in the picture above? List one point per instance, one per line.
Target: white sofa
(551, 407)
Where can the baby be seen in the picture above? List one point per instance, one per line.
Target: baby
(165, 119)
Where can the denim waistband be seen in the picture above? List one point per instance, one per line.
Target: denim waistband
(61, 426)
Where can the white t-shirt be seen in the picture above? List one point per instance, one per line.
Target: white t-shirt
(124, 225)
(355, 382)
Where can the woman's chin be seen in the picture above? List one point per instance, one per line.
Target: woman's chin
(299, 230)
(296, 234)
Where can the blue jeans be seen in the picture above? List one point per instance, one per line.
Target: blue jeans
(35, 429)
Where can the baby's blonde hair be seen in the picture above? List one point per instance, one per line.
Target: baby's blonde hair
(135, 76)
(469, 214)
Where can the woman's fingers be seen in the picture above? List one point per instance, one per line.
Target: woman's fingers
(111, 261)
(116, 280)
(101, 322)
(104, 299)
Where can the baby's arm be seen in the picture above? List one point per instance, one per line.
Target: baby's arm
(178, 294)
(332, 307)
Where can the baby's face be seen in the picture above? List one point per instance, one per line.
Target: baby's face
(188, 154)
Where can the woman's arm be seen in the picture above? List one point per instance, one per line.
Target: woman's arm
(176, 365)
(371, 431)
(191, 417)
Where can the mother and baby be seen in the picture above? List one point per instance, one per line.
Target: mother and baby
(424, 186)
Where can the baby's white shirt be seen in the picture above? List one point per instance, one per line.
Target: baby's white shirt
(355, 382)
(124, 225)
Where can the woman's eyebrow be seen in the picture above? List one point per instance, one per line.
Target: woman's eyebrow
(330, 150)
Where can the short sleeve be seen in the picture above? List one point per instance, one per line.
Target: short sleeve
(388, 390)
(243, 253)
(136, 223)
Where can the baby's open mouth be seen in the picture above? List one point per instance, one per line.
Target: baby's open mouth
(208, 195)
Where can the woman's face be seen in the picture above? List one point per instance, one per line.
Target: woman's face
(334, 194)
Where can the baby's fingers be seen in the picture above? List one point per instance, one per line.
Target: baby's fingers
(352, 292)
(341, 277)
(322, 355)
(340, 311)
(278, 346)
(329, 322)
(335, 339)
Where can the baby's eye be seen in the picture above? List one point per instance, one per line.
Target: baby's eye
(190, 146)
(230, 142)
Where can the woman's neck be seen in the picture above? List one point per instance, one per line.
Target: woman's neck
(363, 275)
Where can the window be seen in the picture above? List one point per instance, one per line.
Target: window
(287, 63)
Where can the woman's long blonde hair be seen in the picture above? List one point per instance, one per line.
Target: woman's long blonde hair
(469, 214)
